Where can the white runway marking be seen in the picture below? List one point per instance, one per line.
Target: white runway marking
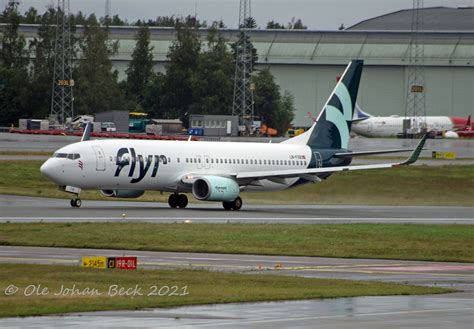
(397, 219)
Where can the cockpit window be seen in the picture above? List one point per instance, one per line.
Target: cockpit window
(60, 155)
(71, 156)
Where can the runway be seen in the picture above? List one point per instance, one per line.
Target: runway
(440, 311)
(29, 209)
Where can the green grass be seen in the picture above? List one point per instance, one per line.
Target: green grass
(389, 241)
(203, 287)
(25, 153)
(420, 185)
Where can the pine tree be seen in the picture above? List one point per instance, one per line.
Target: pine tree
(214, 84)
(14, 80)
(140, 69)
(43, 64)
(274, 110)
(180, 80)
(97, 89)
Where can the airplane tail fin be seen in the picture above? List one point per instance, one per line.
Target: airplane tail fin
(360, 115)
(86, 135)
(331, 131)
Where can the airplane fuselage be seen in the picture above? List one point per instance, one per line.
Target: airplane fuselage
(393, 125)
(160, 165)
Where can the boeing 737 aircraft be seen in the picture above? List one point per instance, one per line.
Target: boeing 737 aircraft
(217, 171)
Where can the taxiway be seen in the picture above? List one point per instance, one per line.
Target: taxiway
(453, 310)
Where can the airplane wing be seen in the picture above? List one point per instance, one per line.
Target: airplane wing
(311, 174)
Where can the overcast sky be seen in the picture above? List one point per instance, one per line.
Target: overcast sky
(316, 14)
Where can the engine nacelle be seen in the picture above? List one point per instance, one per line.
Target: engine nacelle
(215, 188)
(122, 193)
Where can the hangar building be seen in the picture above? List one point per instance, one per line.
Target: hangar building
(307, 63)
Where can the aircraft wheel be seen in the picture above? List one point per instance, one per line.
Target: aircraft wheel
(227, 205)
(237, 204)
(173, 201)
(76, 203)
(182, 200)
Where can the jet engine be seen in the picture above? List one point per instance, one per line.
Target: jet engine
(122, 193)
(215, 188)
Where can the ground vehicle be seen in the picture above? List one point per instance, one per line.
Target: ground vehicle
(108, 127)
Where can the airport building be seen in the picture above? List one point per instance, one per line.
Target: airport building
(307, 63)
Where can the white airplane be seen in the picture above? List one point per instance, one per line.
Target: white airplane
(216, 171)
(368, 125)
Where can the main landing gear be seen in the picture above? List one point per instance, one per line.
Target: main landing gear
(178, 200)
(76, 203)
(232, 205)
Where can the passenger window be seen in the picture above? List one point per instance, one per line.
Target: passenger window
(177, 160)
(238, 161)
(264, 162)
(246, 161)
(212, 160)
(169, 160)
(260, 162)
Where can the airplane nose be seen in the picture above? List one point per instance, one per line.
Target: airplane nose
(47, 169)
(44, 167)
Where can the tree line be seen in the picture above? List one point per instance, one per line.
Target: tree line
(198, 77)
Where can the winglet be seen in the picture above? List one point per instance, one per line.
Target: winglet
(416, 152)
(86, 135)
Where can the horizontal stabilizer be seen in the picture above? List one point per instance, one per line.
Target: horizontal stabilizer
(363, 153)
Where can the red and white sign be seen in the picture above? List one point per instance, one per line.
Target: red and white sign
(126, 263)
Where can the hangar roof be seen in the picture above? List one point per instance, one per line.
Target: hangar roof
(434, 19)
(303, 47)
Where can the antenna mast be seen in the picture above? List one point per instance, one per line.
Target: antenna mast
(243, 90)
(62, 98)
(415, 105)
